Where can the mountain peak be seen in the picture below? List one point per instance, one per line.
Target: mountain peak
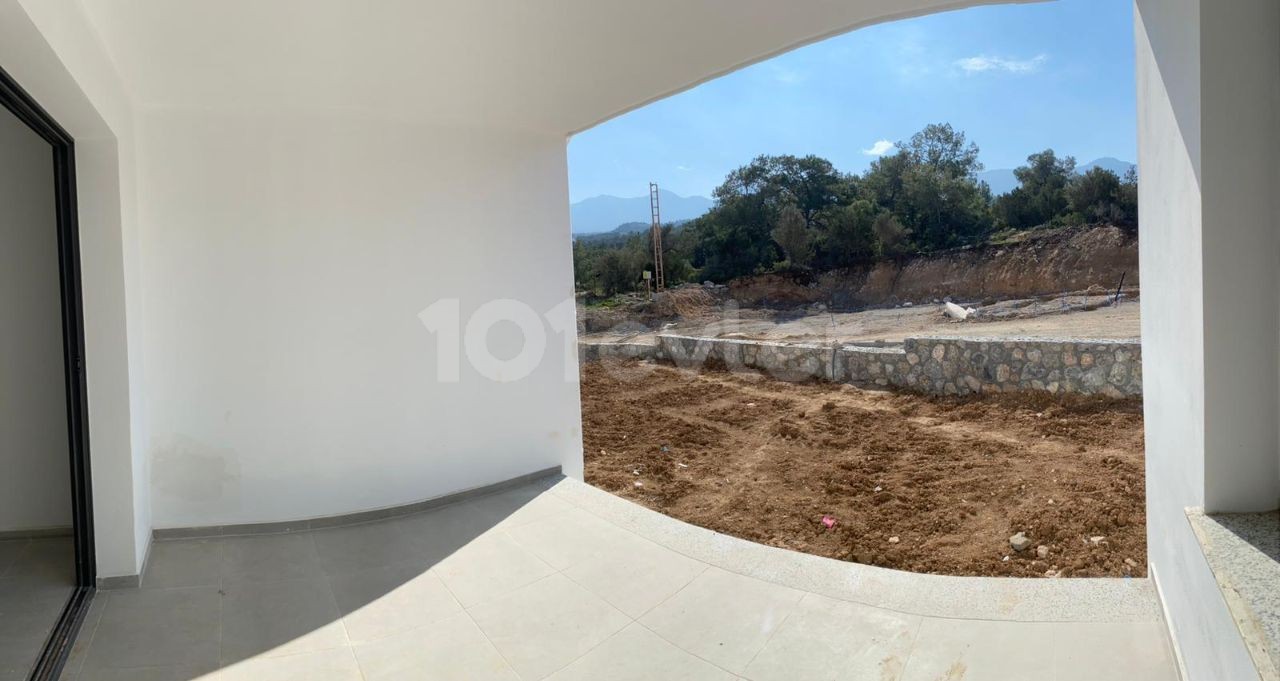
(1003, 181)
(605, 212)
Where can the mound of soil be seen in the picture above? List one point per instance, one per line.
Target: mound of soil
(915, 483)
(1038, 262)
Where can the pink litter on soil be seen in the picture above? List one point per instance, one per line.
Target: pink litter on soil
(828, 521)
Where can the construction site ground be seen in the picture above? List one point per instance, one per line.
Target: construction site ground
(1066, 316)
(937, 485)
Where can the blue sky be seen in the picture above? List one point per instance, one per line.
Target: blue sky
(1015, 78)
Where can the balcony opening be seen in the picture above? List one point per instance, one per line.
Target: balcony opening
(896, 321)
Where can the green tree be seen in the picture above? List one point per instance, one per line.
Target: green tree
(848, 236)
(1101, 196)
(612, 273)
(733, 239)
(792, 236)
(943, 210)
(1128, 199)
(944, 149)
(892, 239)
(930, 187)
(1042, 192)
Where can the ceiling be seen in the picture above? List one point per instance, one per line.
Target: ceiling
(553, 65)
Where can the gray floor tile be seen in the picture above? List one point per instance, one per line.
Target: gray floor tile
(337, 664)
(349, 549)
(439, 533)
(573, 537)
(453, 649)
(10, 549)
(824, 639)
(723, 617)
(186, 562)
(80, 649)
(637, 654)
(26, 617)
(269, 557)
(546, 625)
(270, 619)
(1136, 651)
(169, 673)
(489, 567)
(45, 561)
(980, 650)
(522, 506)
(635, 581)
(153, 628)
(388, 600)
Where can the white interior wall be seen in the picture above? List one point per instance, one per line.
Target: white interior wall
(35, 489)
(286, 261)
(1179, 363)
(50, 49)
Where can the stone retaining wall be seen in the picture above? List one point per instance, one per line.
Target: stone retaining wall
(938, 366)
(594, 351)
(786, 361)
(959, 366)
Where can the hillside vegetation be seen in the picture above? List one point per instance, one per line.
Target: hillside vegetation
(791, 214)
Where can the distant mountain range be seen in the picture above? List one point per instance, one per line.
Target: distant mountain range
(1002, 180)
(605, 213)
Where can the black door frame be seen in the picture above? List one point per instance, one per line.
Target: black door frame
(58, 646)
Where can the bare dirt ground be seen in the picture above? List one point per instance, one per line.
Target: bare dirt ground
(915, 483)
(1055, 318)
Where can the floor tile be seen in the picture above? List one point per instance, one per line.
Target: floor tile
(154, 628)
(45, 561)
(824, 639)
(637, 654)
(79, 649)
(187, 562)
(1113, 652)
(981, 650)
(353, 548)
(635, 581)
(10, 549)
(524, 505)
(338, 664)
(166, 673)
(723, 617)
(279, 618)
(388, 600)
(489, 567)
(452, 649)
(573, 537)
(437, 534)
(269, 557)
(546, 625)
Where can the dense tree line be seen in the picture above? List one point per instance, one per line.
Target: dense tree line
(780, 213)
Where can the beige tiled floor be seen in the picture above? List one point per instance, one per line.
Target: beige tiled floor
(560, 581)
(37, 577)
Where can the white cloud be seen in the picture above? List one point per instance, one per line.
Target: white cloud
(982, 63)
(880, 148)
(788, 76)
(684, 169)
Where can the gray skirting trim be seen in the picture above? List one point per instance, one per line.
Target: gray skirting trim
(36, 533)
(348, 518)
(126, 581)
(121, 582)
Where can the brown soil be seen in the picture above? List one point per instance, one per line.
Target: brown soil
(951, 478)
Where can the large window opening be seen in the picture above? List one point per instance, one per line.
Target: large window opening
(899, 317)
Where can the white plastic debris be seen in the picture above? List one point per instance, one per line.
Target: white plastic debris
(955, 311)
